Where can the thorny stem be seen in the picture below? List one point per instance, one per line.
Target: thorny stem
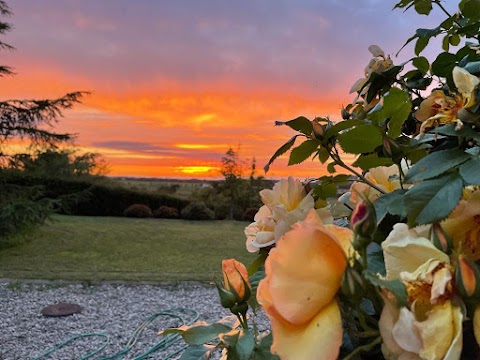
(366, 347)
(336, 157)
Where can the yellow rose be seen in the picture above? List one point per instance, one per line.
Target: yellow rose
(285, 205)
(235, 277)
(385, 178)
(463, 225)
(430, 326)
(439, 108)
(303, 275)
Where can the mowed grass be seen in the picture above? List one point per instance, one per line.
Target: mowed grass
(106, 248)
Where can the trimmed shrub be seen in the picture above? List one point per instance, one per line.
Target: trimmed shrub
(138, 211)
(166, 212)
(197, 210)
(249, 214)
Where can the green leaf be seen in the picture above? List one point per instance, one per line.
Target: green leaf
(340, 126)
(421, 63)
(376, 262)
(433, 200)
(323, 155)
(470, 171)
(421, 44)
(331, 167)
(199, 352)
(396, 106)
(445, 43)
(396, 287)
(470, 9)
(428, 33)
(435, 164)
(390, 203)
(454, 40)
(325, 191)
(444, 64)
(366, 162)
(254, 281)
(303, 152)
(263, 349)
(200, 334)
(281, 150)
(473, 67)
(245, 345)
(360, 139)
(423, 7)
(301, 124)
(450, 130)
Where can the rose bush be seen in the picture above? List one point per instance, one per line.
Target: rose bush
(400, 279)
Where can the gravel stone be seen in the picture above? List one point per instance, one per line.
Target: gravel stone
(116, 310)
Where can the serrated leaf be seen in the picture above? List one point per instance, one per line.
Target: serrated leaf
(325, 191)
(340, 126)
(470, 171)
(450, 130)
(390, 203)
(376, 262)
(435, 164)
(300, 123)
(396, 287)
(281, 150)
(360, 139)
(262, 351)
(433, 200)
(254, 281)
(423, 7)
(421, 44)
(323, 155)
(331, 168)
(245, 345)
(421, 63)
(199, 352)
(397, 106)
(470, 9)
(444, 64)
(366, 162)
(303, 152)
(200, 334)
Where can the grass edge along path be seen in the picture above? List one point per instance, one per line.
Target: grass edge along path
(83, 248)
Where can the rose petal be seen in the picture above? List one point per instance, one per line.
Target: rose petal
(304, 271)
(318, 339)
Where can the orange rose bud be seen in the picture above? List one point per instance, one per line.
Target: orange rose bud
(467, 278)
(318, 129)
(440, 239)
(235, 278)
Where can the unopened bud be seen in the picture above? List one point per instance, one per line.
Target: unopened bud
(227, 299)
(241, 308)
(440, 239)
(467, 278)
(318, 129)
(353, 285)
(236, 280)
(345, 114)
(364, 219)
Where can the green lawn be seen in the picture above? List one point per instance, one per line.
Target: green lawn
(107, 248)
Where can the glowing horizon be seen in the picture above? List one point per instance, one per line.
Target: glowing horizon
(174, 85)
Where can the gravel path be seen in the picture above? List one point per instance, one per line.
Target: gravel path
(116, 310)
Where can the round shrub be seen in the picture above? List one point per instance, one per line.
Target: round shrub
(249, 214)
(166, 212)
(138, 211)
(197, 210)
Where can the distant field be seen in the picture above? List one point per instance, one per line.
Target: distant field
(179, 188)
(102, 248)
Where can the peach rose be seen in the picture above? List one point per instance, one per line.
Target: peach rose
(303, 274)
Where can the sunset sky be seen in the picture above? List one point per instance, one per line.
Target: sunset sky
(174, 84)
